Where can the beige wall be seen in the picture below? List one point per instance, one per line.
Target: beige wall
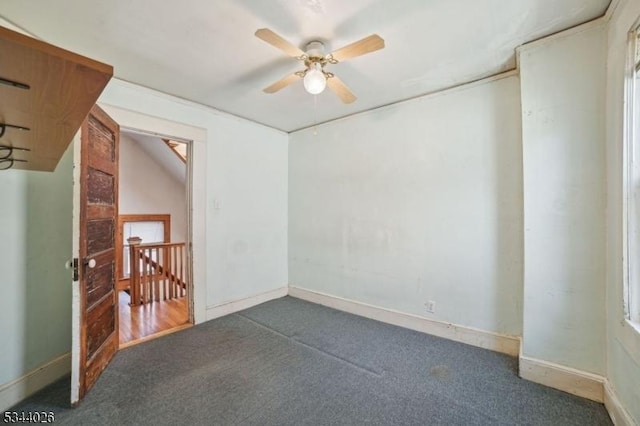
(563, 134)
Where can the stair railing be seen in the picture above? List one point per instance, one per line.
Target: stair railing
(158, 272)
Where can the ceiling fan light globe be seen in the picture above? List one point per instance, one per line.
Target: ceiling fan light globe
(315, 82)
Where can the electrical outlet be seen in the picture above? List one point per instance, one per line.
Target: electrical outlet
(431, 306)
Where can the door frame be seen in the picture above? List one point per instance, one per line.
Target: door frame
(196, 181)
(196, 184)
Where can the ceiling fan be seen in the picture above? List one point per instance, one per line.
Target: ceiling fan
(314, 76)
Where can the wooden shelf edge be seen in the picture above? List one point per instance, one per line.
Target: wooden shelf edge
(51, 49)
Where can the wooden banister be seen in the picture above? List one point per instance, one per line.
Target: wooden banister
(161, 270)
(158, 272)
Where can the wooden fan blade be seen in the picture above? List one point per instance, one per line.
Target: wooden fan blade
(282, 83)
(341, 90)
(277, 41)
(366, 45)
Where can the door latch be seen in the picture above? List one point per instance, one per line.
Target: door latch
(73, 264)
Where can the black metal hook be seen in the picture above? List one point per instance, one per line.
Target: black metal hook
(14, 83)
(9, 162)
(3, 128)
(9, 151)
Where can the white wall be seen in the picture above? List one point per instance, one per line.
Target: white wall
(418, 201)
(246, 187)
(35, 242)
(146, 187)
(246, 227)
(563, 95)
(414, 202)
(623, 344)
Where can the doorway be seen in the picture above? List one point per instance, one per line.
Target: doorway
(95, 313)
(151, 260)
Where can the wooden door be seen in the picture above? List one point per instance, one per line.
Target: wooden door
(95, 298)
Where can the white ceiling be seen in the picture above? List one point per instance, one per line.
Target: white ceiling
(205, 50)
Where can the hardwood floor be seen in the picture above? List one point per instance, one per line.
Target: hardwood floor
(141, 323)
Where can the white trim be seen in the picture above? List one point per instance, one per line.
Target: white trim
(611, 9)
(226, 308)
(535, 44)
(628, 334)
(628, 169)
(193, 104)
(566, 379)
(75, 285)
(509, 345)
(619, 415)
(444, 91)
(629, 337)
(13, 392)
(198, 136)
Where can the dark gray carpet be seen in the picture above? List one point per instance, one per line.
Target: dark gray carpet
(289, 362)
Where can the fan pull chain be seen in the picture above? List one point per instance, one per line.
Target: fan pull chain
(315, 115)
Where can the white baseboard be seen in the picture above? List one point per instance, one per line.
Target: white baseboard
(13, 392)
(619, 415)
(484, 339)
(566, 379)
(217, 311)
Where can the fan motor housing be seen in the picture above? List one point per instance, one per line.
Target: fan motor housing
(315, 49)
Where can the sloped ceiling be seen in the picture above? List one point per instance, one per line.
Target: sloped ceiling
(206, 51)
(161, 154)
